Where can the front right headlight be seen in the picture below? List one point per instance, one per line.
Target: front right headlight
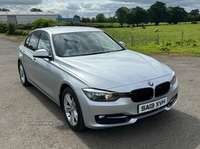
(100, 95)
(173, 80)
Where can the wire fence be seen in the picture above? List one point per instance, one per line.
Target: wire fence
(134, 38)
(159, 39)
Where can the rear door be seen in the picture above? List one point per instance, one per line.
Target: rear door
(30, 45)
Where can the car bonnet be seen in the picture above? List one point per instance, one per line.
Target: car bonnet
(115, 69)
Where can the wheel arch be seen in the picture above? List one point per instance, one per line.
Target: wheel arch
(63, 86)
(18, 61)
(66, 88)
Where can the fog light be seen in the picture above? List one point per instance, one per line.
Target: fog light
(172, 100)
(101, 116)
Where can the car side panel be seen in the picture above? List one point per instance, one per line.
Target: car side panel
(42, 75)
(26, 57)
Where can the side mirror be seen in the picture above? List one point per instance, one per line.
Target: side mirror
(42, 53)
(122, 44)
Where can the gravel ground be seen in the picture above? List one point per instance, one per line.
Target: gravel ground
(30, 120)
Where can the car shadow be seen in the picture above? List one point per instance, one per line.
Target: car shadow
(171, 130)
(48, 104)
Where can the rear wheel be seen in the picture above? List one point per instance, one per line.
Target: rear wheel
(72, 110)
(22, 75)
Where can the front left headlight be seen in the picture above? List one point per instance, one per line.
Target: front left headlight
(100, 95)
(173, 80)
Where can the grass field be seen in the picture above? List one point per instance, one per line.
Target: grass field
(181, 39)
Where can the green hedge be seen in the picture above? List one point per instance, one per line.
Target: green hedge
(11, 29)
(23, 29)
(3, 27)
(40, 23)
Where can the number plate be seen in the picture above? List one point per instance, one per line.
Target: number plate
(152, 105)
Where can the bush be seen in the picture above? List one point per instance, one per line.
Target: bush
(188, 43)
(3, 27)
(20, 33)
(11, 28)
(194, 22)
(24, 26)
(165, 49)
(40, 23)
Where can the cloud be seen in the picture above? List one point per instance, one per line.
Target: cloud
(147, 1)
(182, 3)
(20, 2)
(73, 7)
(187, 4)
(89, 8)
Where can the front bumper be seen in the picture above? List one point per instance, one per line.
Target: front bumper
(121, 112)
(122, 118)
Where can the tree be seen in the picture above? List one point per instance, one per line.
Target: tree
(35, 10)
(100, 18)
(130, 17)
(121, 14)
(141, 15)
(4, 9)
(137, 16)
(157, 12)
(85, 20)
(112, 19)
(169, 15)
(178, 14)
(76, 16)
(194, 12)
(193, 15)
(93, 20)
(59, 16)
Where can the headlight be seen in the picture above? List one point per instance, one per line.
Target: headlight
(173, 80)
(100, 95)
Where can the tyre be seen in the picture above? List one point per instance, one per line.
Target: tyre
(22, 75)
(72, 110)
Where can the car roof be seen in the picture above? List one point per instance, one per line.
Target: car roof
(67, 29)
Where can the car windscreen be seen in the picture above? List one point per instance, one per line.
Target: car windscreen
(84, 43)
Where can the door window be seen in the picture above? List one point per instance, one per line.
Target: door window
(32, 41)
(44, 43)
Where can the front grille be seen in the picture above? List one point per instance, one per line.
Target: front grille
(162, 89)
(142, 94)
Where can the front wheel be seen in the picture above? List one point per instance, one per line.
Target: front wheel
(22, 74)
(72, 110)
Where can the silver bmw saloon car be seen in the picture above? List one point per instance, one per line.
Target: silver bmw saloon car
(95, 80)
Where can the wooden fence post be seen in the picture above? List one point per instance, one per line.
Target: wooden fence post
(182, 34)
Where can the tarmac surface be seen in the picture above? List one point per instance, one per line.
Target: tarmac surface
(29, 120)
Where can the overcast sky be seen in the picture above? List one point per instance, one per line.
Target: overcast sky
(89, 8)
